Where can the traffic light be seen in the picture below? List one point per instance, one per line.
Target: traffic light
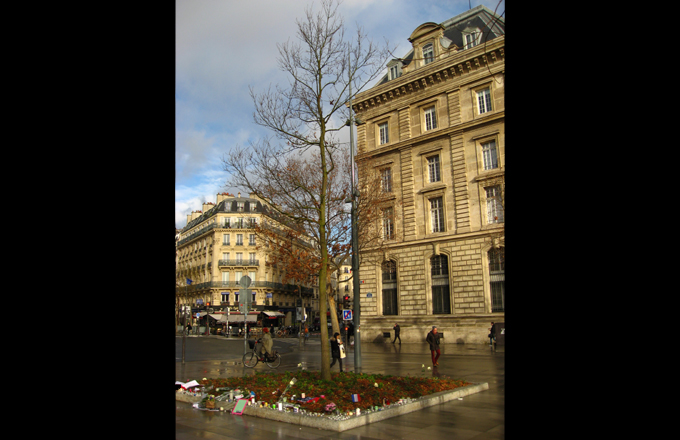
(345, 302)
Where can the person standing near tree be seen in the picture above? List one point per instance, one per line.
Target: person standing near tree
(335, 349)
(396, 333)
(433, 339)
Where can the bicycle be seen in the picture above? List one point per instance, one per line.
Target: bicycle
(284, 332)
(251, 358)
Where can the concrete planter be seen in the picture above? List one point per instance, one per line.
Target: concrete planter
(363, 419)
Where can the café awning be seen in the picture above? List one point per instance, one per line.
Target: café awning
(274, 314)
(234, 318)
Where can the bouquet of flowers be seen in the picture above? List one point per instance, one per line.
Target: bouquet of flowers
(330, 407)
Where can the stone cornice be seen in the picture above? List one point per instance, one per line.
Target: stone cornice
(452, 67)
(435, 238)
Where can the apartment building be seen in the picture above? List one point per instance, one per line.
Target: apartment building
(218, 247)
(434, 127)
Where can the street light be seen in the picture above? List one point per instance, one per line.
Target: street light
(355, 237)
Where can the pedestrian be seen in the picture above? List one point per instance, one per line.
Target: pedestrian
(433, 339)
(350, 333)
(396, 333)
(306, 334)
(336, 345)
(189, 328)
(267, 342)
(492, 334)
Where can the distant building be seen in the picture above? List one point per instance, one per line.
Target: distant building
(218, 246)
(434, 127)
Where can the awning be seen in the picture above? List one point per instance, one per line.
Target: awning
(219, 318)
(273, 314)
(233, 318)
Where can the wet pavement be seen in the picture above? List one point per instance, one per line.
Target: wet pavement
(479, 416)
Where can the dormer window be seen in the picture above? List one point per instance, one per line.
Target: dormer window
(471, 37)
(394, 67)
(428, 54)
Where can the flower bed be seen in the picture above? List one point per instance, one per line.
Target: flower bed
(372, 389)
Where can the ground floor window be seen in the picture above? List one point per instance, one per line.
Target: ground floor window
(497, 279)
(441, 298)
(389, 288)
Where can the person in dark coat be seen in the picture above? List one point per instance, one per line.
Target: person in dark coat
(492, 334)
(433, 340)
(396, 333)
(335, 349)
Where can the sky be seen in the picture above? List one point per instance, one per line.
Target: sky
(223, 47)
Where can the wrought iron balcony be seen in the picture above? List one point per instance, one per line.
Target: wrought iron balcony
(284, 288)
(237, 262)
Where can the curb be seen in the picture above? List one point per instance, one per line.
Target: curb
(354, 421)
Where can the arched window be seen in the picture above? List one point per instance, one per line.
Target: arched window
(497, 278)
(441, 298)
(389, 288)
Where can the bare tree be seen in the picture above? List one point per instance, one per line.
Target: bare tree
(321, 65)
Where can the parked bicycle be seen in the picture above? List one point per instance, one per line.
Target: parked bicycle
(285, 332)
(251, 358)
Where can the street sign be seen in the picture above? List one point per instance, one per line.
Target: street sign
(347, 315)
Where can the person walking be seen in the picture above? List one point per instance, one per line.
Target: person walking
(396, 333)
(433, 339)
(336, 342)
(492, 334)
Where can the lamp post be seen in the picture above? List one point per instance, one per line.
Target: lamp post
(355, 239)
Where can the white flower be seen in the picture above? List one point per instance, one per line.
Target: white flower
(428, 368)
(375, 385)
(423, 366)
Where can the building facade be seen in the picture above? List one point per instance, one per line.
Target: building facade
(434, 127)
(218, 247)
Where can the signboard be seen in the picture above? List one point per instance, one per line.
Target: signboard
(347, 315)
(240, 405)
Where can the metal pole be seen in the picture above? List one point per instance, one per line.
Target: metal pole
(355, 237)
(184, 329)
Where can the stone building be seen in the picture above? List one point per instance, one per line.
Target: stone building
(434, 128)
(218, 246)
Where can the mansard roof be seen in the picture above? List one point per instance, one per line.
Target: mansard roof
(480, 17)
(229, 205)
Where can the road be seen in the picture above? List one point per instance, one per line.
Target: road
(478, 416)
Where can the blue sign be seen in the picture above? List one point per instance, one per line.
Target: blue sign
(347, 315)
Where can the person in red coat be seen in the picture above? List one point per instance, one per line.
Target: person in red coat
(433, 339)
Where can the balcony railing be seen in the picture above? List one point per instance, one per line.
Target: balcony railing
(287, 288)
(236, 262)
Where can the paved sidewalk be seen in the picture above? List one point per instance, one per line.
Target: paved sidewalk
(479, 416)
